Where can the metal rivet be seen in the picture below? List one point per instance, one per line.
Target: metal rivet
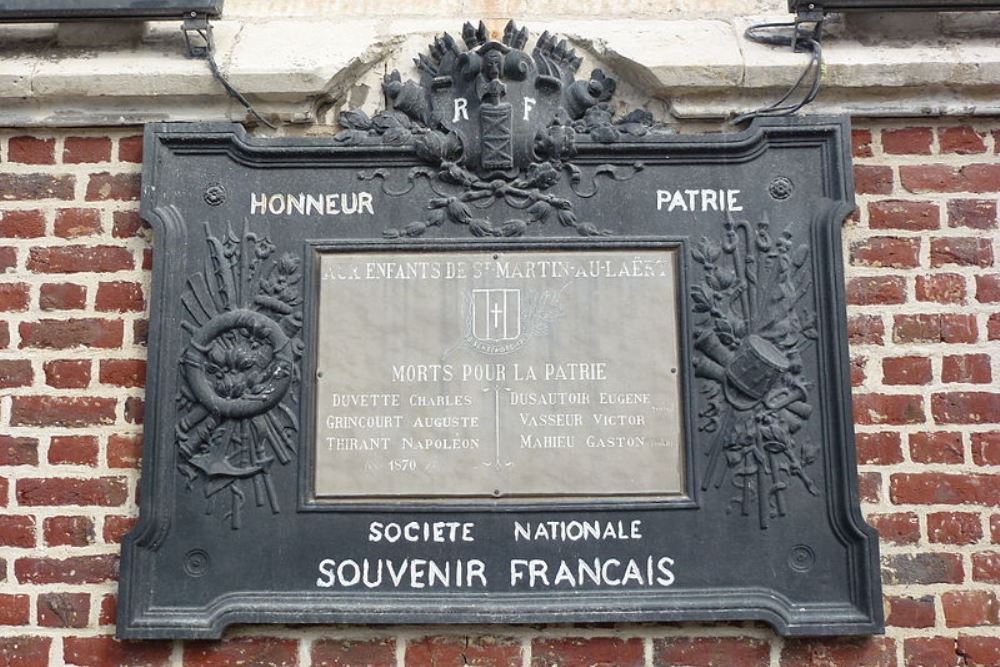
(196, 563)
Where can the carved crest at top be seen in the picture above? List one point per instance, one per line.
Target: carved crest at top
(498, 98)
(498, 122)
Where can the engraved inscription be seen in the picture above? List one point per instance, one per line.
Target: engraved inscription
(498, 374)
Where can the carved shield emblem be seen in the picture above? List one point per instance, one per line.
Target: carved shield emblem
(496, 314)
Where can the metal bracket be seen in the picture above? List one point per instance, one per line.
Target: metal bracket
(808, 25)
(198, 36)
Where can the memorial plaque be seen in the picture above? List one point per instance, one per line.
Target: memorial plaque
(533, 374)
(499, 353)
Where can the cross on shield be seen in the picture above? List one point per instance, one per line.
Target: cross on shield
(496, 314)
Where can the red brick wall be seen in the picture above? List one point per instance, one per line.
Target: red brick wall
(925, 331)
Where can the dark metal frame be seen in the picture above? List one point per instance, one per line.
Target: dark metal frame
(81, 10)
(147, 571)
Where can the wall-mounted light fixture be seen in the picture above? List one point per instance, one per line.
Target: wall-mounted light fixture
(195, 15)
(87, 10)
(799, 6)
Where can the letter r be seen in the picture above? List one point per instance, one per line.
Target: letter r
(461, 109)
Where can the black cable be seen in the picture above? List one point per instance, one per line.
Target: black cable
(771, 40)
(815, 66)
(235, 94)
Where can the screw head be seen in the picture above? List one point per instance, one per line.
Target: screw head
(801, 558)
(196, 563)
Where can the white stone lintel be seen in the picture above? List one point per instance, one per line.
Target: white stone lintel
(291, 68)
